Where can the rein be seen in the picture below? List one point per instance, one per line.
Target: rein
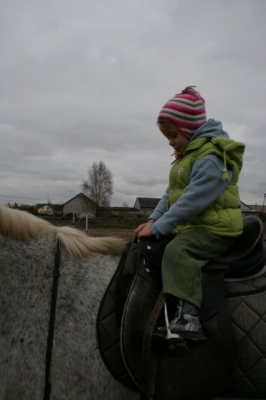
(50, 337)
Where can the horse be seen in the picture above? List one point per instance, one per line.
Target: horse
(58, 360)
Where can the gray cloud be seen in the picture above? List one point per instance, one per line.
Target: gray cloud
(84, 81)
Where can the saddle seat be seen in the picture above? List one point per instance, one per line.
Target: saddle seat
(247, 255)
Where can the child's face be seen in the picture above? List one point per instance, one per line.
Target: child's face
(178, 141)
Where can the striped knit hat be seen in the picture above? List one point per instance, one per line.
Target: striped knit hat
(186, 110)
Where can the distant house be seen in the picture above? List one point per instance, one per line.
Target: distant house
(146, 204)
(258, 208)
(45, 209)
(80, 204)
(49, 209)
(247, 210)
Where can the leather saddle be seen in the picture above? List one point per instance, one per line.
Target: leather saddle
(160, 371)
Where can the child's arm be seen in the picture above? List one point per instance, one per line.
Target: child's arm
(205, 186)
(161, 207)
(146, 228)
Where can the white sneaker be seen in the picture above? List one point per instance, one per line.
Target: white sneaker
(184, 324)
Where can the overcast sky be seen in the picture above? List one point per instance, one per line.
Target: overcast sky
(84, 80)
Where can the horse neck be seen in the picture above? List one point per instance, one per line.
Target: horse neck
(26, 281)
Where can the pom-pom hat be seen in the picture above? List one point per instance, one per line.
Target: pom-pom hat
(186, 110)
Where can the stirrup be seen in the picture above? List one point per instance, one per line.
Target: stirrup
(177, 345)
(174, 342)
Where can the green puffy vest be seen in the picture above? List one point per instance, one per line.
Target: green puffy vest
(223, 217)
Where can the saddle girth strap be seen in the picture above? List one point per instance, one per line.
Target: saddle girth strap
(50, 337)
(147, 381)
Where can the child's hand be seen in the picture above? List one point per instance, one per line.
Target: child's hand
(144, 229)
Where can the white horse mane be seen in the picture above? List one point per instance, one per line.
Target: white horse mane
(22, 226)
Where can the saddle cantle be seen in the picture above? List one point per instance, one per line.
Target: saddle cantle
(206, 371)
(247, 255)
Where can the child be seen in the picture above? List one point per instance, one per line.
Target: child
(201, 205)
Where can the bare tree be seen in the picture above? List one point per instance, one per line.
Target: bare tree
(99, 185)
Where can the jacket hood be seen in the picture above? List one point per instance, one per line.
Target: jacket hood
(210, 129)
(232, 151)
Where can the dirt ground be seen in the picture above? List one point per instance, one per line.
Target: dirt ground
(126, 234)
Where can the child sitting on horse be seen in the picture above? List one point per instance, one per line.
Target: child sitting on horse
(201, 205)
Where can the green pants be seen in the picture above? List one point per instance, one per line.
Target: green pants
(183, 259)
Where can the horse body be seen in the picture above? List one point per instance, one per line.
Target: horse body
(27, 251)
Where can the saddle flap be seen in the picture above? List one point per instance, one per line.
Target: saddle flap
(110, 314)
